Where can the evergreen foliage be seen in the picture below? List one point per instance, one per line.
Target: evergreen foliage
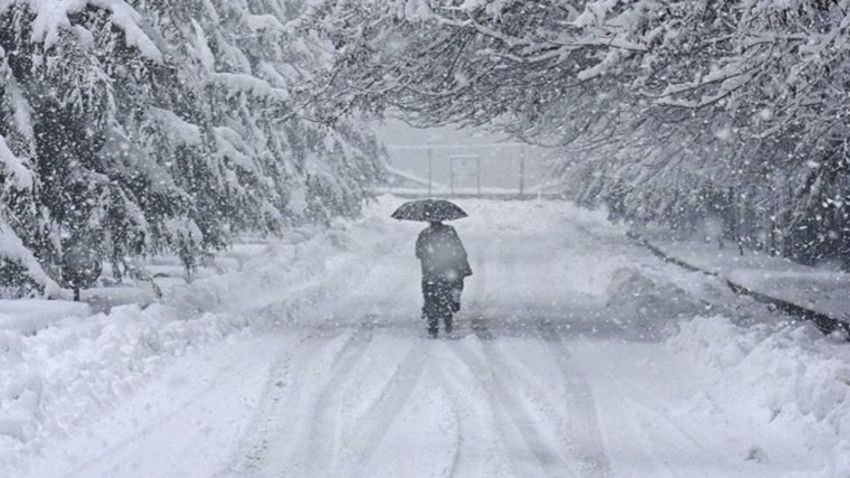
(131, 127)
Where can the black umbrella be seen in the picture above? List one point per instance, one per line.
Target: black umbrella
(427, 210)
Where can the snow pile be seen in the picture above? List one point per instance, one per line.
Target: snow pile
(75, 367)
(298, 267)
(646, 302)
(304, 280)
(53, 380)
(788, 380)
(28, 316)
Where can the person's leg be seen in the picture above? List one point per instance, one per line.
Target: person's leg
(445, 303)
(457, 290)
(430, 307)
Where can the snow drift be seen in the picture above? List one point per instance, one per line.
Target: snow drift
(786, 377)
(77, 366)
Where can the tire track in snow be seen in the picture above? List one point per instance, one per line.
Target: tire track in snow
(457, 390)
(264, 429)
(577, 423)
(542, 458)
(579, 429)
(379, 417)
(311, 449)
(458, 442)
(232, 370)
(252, 450)
(586, 442)
(316, 452)
(278, 426)
(643, 402)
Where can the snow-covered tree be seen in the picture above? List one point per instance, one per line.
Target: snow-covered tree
(672, 109)
(139, 126)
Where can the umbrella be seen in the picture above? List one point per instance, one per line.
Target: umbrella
(429, 210)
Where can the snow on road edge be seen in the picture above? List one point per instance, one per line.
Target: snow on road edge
(786, 377)
(73, 371)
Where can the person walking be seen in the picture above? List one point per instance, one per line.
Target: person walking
(443, 258)
(444, 268)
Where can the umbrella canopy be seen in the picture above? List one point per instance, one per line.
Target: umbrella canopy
(427, 210)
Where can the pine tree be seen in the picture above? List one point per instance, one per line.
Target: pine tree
(140, 127)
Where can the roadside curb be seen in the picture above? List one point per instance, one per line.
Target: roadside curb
(823, 322)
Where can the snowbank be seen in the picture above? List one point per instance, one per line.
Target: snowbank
(646, 302)
(778, 378)
(820, 290)
(78, 366)
(27, 316)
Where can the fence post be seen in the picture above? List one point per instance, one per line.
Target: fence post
(430, 168)
(452, 176)
(478, 176)
(522, 170)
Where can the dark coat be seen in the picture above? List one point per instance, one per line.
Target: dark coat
(442, 253)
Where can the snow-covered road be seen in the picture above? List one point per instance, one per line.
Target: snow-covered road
(544, 376)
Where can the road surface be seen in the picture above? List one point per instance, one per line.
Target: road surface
(541, 378)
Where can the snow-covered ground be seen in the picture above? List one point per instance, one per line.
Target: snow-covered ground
(577, 354)
(819, 289)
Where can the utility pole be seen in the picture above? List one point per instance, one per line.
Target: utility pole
(522, 170)
(430, 167)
